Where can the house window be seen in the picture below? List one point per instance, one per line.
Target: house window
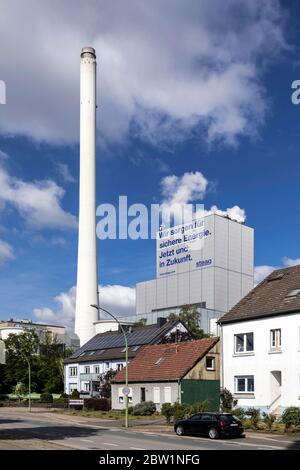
(210, 363)
(72, 387)
(97, 369)
(87, 369)
(167, 393)
(120, 366)
(121, 396)
(244, 384)
(156, 395)
(107, 365)
(143, 394)
(275, 339)
(243, 343)
(86, 387)
(72, 371)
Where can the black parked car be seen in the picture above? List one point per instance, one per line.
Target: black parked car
(213, 425)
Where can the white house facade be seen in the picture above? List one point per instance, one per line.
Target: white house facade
(261, 344)
(261, 362)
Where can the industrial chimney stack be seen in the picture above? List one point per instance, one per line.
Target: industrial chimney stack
(87, 283)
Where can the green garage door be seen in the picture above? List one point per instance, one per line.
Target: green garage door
(193, 391)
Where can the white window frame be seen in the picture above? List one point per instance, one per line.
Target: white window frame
(275, 339)
(245, 350)
(96, 369)
(87, 369)
(213, 367)
(121, 396)
(167, 395)
(246, 378)
(156, 395)
(72, 386)
(73, 371)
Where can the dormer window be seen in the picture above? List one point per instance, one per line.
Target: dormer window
(292, 294)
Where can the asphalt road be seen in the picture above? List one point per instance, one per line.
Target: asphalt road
(21, 430)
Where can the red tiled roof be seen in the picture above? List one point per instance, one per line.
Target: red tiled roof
(169, 361)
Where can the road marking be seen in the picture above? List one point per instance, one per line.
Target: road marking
(110, 444)
(86, 440)
(136, 448)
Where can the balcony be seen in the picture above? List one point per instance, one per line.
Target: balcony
(89, 377)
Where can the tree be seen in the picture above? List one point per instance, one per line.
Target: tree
(51, 360)
(20, 390)
(105, 383)
(20, 348)
(46, 357)
(227, 400)
(189, 316)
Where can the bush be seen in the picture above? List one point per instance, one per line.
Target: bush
(46, 398)
(247, 424)
(64, 395)
(97, 404)
(130, 410)
(167, 411)
(75, 395)
(200, 406)
(239, 413)
(254, 414)
(227, 400)
(181, 410)
(269, 419)
(290, 417)
(145, 408)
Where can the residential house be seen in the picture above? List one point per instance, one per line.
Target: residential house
(261, 344)
(106, 351)
(186, 372)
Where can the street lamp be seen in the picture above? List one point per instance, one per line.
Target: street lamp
(126, 357)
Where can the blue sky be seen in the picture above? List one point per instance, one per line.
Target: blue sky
(192, 88)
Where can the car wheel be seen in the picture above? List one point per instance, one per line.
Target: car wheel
(213, 433)
(179, 430)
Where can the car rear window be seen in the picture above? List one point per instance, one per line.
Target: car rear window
(229, 418)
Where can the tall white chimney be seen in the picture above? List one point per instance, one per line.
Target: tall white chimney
(87, 283)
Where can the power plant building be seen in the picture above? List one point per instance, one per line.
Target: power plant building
(207, 264)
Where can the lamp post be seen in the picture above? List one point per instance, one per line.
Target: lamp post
(126, 356)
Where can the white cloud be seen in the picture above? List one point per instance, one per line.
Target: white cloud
(120, 300)
(183, 189)
(234, 213)
(164, 69)
(260, 272)
(39, 203)
(189, 189)
(64, 172)
(287, 262)
(6, 252)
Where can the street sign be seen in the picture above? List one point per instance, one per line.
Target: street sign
(76, 402)
(126, 391)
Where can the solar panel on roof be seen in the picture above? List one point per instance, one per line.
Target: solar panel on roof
(115, 339)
